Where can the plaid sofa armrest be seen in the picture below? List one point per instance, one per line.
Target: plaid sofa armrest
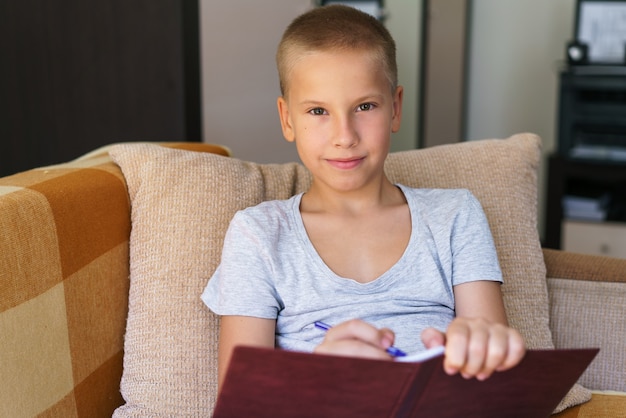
(64, 282)
(64, 279)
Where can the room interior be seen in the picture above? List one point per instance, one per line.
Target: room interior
(195, 68)
(80, 76)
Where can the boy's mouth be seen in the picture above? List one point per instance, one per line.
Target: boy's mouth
(345, 163)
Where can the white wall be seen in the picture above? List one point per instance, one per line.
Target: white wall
(516, 50)
(240, 84)
(404, 24)
(239, 79)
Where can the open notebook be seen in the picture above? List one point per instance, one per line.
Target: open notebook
(275, 383)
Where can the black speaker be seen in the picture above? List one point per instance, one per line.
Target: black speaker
(577, 53)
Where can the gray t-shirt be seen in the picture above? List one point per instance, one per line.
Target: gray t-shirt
(270, 269)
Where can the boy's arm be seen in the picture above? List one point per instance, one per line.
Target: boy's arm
(242, 330)
(478, 341)
(480, 299)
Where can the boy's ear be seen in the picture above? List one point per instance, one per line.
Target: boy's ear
(397, 109)
(285, 119)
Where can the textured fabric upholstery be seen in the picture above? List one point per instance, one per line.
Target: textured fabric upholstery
(67, 229)
(179, 223)
(602, 405)
(587, 308)
(64, 234)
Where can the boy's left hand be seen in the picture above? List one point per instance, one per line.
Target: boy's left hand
(476, 347)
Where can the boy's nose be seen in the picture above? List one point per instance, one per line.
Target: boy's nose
(345, 135)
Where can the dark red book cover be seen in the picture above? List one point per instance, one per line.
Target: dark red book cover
(277, 383)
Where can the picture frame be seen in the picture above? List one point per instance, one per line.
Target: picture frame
(601, 26)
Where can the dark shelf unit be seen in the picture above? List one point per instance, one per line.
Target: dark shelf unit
(592, 113)
(591, 136)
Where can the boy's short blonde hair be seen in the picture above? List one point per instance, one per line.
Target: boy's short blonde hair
(335, 28)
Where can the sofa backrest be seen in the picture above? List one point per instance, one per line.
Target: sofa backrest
(182, 203)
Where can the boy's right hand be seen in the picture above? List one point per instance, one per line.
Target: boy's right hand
(476, 347)
(357, 338)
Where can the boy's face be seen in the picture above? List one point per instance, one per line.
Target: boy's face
(340, 110)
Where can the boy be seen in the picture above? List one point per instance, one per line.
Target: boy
(355, 250)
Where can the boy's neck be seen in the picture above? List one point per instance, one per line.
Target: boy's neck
(322, 199)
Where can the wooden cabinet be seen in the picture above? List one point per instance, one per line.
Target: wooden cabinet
(603, 238)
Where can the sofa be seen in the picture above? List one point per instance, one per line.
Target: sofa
(103, 259)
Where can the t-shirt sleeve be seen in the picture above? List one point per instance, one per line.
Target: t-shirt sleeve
(472, 245)
(241, 284)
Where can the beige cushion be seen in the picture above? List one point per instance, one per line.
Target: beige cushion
(592, 314)
(183, 201)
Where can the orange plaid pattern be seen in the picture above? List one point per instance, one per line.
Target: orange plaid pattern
(64, 280)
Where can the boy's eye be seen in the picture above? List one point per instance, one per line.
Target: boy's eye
(318, 111)
(365, 107)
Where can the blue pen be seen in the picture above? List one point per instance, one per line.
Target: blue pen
(396, 352)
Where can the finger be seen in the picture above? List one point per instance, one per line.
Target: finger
(515, 351)
(432, 337)
(457, 337)
(387, 337)
(496, 352)
(477, 348)
(357, 329)
(352, 348)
